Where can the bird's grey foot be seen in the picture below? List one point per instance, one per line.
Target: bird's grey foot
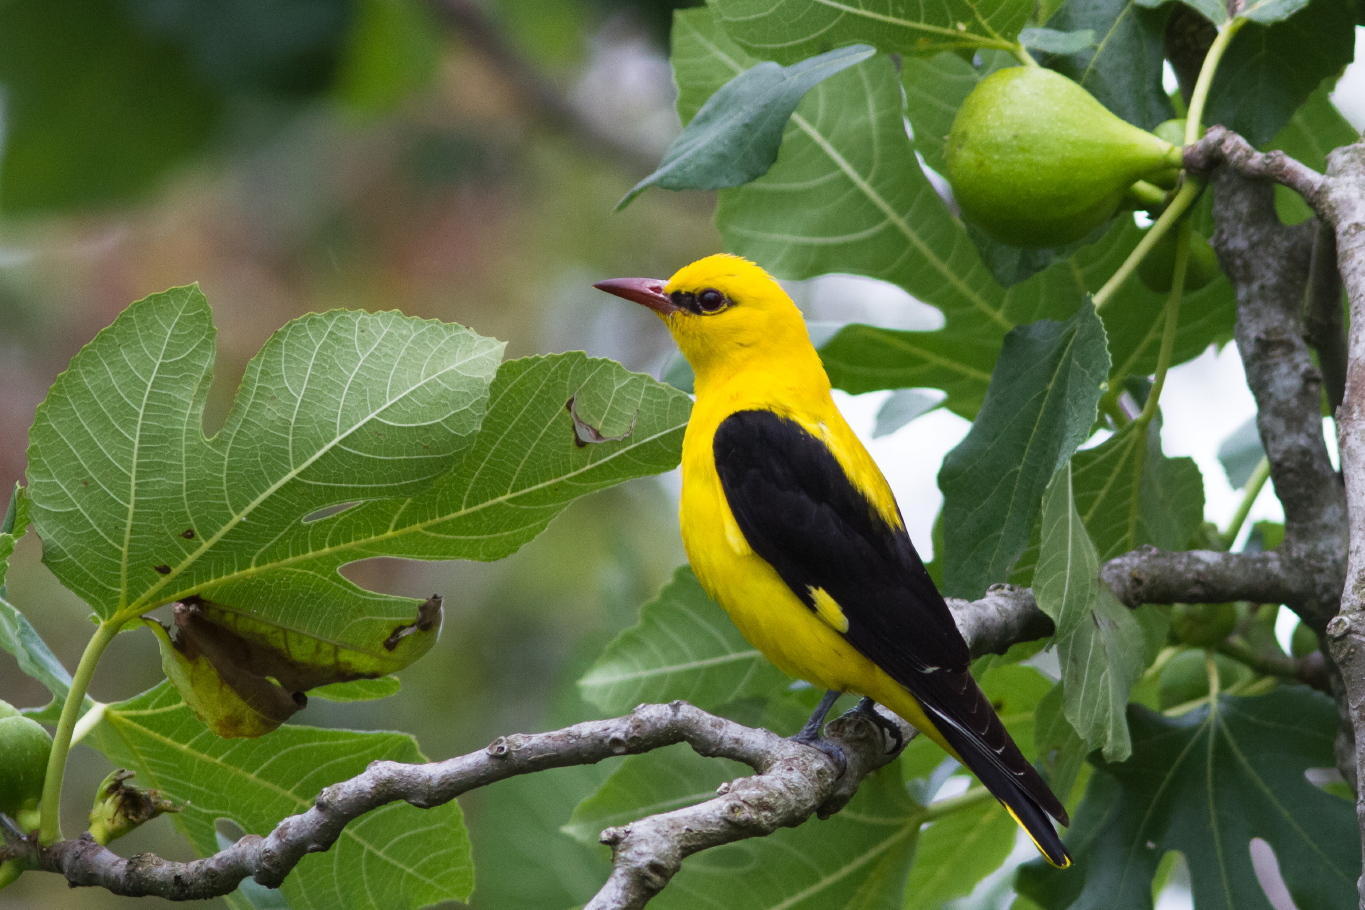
(810, 733)
(868, 708)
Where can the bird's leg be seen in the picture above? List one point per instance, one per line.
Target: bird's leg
(810, 733)
(866, 707)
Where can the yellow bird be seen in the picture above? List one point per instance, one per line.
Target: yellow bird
(789, 524)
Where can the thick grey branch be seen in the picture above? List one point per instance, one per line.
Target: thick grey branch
(1006, 616)
(1268, 264)
(1151, 576)
(794, 781)
(1221, 146)
(1343, 205)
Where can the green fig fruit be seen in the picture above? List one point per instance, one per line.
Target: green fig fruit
(1203, 625)
(1158, 267)
(24, 746)
(1036, 161)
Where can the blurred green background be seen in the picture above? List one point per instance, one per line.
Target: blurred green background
(454, 160)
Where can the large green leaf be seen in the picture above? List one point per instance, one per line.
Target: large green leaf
(137, 508)
(735, 136)
(856, 858)
(1270, 70)
(1130, 494)
(1040, 406)
(395, 857)
(684, 646)
(956, 852)
(1123, 69)
(1205, 784)
(789, 30)
(1061, 751)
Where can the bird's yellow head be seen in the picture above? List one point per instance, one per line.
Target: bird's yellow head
(724, 312)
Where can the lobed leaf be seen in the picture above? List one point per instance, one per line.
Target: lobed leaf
(789, 30)
(1205, 783)
(684, 646)
(1041, 404)
(395, 857)
(379, 414)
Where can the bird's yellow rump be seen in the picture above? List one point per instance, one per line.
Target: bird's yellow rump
(789, 524)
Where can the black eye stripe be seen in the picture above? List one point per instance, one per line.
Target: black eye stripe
(701, 303)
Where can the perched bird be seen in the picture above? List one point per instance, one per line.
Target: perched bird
(789, 524)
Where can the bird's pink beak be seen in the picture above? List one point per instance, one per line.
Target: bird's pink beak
(645, 291)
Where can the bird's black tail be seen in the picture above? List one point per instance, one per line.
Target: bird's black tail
(993, 757)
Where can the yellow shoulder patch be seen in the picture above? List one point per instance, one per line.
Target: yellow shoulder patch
(828, 609)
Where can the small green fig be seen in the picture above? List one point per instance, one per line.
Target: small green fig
(24, 746)
(1158, 267)
(1035, 160)
(1203, 625)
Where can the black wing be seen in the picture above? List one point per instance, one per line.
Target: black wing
(800, 512)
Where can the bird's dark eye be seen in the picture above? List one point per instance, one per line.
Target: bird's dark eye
(710, 300)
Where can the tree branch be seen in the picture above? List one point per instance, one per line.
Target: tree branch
(1268, 264)
(1221, 146)
(1343, 206)
(793, 783)
(470, 20)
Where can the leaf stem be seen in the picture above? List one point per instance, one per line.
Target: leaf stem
(1253, 489)
(974, 797)
(1183, 199)
(1168, 331)
(50, 827)
(1194, 129)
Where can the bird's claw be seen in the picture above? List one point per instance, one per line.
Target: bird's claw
(819, 743)
(867, 708)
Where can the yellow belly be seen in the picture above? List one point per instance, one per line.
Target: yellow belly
(766, 612)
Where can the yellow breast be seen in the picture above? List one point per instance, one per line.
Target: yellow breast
(802, 642)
